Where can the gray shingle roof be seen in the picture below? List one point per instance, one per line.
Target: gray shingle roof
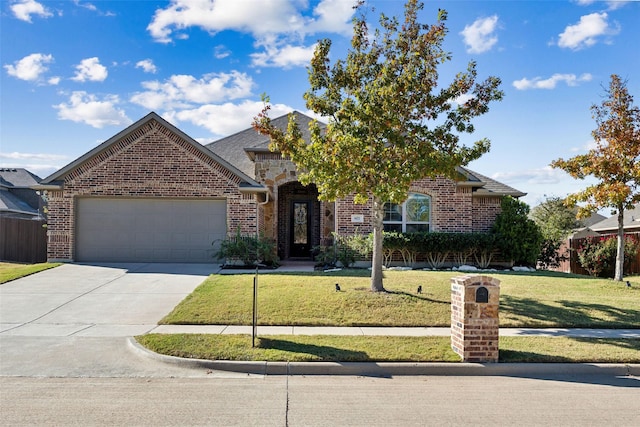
(234, 148)
(9, 202)
(631, 221)
(18, 178)
(488, 186)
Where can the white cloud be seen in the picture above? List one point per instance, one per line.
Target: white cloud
(480, 36)
(586, 32)
(612, 5)
(286, 56)
(30, 68)
(225, 119)
(147, 66)
(332, 16)
(221, 52)
(90, 69)
(32, 156)
(23, 9)
(590, 145)
(551, 82)
(87, 108)
(89, 6)
(182, 91)
(546, 175)
(256, 17)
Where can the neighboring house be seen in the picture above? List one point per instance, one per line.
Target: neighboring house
(17, 197)
(22, 236)
(609, 225)
(152, 193)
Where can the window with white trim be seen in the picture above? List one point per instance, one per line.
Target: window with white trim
(412, 216)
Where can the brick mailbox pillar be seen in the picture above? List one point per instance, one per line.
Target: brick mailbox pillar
(474, 318)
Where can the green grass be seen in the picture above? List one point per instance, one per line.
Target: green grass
(539, 299)
(386, 349)
(11, 271)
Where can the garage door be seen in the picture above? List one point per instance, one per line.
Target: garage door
(148, 230)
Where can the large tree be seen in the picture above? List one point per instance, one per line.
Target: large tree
(614, 162)
(388, 124)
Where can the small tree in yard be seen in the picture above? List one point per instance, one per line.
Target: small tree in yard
(556, 221)
(614, 162)
(379, 102)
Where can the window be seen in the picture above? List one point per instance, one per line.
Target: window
(412, 216)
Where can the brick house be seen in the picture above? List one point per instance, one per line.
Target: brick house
(152, 193)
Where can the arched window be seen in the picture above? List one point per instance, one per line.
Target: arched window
(412, 216)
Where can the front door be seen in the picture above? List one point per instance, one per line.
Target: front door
(300, 228)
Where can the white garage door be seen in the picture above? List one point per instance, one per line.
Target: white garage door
(148, 230)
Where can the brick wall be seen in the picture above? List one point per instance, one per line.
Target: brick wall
(485, 211)
(150, 161)
(453, 209)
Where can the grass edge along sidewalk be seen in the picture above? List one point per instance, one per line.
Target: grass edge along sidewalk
(327, 348)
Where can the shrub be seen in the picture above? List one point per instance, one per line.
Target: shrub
(346, 250)
(550, 255)
(597, 254)
(247, 248)
(518, 237)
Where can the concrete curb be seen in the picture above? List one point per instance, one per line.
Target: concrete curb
(388, 369)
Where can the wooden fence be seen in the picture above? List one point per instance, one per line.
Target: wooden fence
(572, 263)
(23, 240)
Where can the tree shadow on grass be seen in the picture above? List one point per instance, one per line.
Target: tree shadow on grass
(416, 296)
(626, 343)
(316, 352)
(570, 314)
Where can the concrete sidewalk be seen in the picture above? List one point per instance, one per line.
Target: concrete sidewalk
(381, 331)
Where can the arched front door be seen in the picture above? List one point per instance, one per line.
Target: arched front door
(298, 220)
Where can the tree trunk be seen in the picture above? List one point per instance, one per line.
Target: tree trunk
(620, 252)
(376, 262)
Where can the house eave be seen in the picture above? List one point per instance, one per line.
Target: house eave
(245, 188)
(52, 186)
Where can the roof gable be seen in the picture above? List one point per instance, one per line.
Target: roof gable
(234, 148)
(137, 129)
(485, 186)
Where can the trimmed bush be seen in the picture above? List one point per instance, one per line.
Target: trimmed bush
(597, 254)
(248, 249)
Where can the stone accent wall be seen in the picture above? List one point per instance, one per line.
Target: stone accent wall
(277, 173)
(151, 161)
(474, 321)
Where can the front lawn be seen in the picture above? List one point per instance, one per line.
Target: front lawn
(539, 299)
(11, 270)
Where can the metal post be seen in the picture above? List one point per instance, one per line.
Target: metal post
(254, 322)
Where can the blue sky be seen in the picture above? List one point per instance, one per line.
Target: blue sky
(75, 73)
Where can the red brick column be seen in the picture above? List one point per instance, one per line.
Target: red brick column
(474, 318)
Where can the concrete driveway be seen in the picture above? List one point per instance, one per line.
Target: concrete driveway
(75, 320)
(96, 300)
